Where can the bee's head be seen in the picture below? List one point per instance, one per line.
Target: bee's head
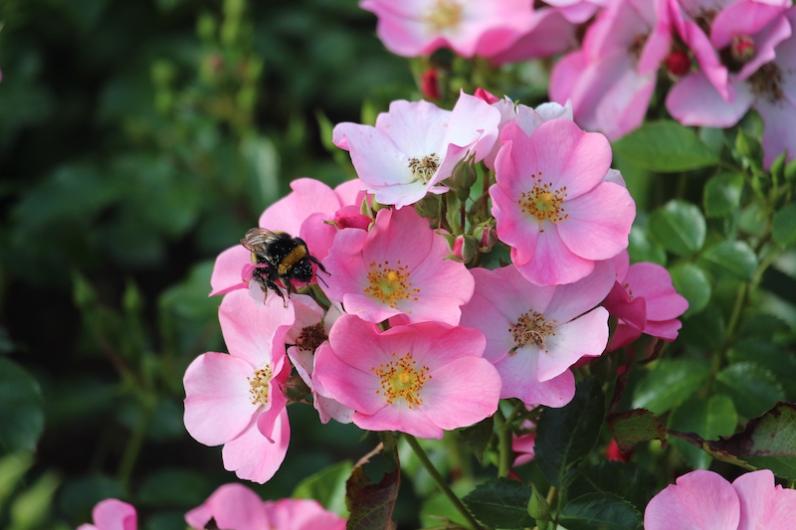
(302, 271)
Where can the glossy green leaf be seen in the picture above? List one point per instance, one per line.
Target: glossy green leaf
(599, 511)
(733, 257)
(679, 226)
(669, 383)
(753, 388)
(692, 282)
(709, 418)
(665, 146)
(784, 229)
(722, 195)
(327, 486)
(642, 248)
(500, 503)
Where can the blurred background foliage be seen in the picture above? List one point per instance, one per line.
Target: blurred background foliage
(137, 140)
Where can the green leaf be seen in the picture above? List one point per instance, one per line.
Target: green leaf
(723, 194)
(669, 383)
(636, 426)
(599, 511)
(753, 388)
(372, 490)
(566, 435)
(477, 437)
(773, 357)
(21, 412)
(178, 488)
(500, 503)
(679, 227)
(710, 419)
(692, 282)
(768, 442)
(624, 479)
(327, 486)
(665, 146)
(31, 507)
(734, 257)
(784, 229)
(642, 248)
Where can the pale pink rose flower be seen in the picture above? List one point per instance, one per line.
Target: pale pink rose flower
(236, 507)
(704, 500)
(112, 514)
(644, 301)
(577, 11)
(611, 79)
(399, 266)
(416, 145)
(413, 28)
(236, 399)
(421, 379)
(759, 41)
(556, 202)
(312, 211)
(534, 334)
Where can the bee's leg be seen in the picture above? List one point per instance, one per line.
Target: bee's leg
(270, 282)
(317, 262)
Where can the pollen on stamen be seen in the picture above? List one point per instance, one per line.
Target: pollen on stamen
(260, 386)
(390, 285)
(531, 328)
(311, 337)
(444, 15)
(543, 202)
(402, 378)
(424, 168)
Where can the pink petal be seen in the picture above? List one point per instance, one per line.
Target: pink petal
(744, 17)
(550, 34)
(598, 222)
(572, 300)
(622, 307)
(401, 34)
(694, 101)
(350, 385)
(350, 192)
(318, 234)
(764, 505)
(584, 336)
(623, 335)
(699, 43)
(461, 393)
(228, 270)
(309, 196)
(554, 263)
(398, 417)
(653, 283)
(217, 402)
(665, 329)
(766, 41)
(779, 135)
(417, 128)
(699, 500)
(252, 457)
(113, 514)
(565, 76)
(255, 331)
(301, 514)
(344, 264)
(473, 123)
(433, 344)
(230, 506)
(399, 234)
(519, 373)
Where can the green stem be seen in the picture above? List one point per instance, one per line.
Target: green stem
(134, 444)
(456, 501)
(504, 440)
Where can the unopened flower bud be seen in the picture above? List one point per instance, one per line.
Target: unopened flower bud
(485, 235)
(743, 48)
(463, 179)
(678, 63)
(486, 95)
(429, 84)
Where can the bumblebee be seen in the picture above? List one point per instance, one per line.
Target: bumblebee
(279, 257)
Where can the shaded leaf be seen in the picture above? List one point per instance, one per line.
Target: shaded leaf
(178, 488)
(327, 486)
(722, 194)
(692, 282)
(669, 383)
(21, 414)
(636, 426)
(370, 501)
(709, 418)
(679, 227)
(665, 146)
(599, 511)
(753, 388)
(734, 257)
(500, 503)
(784, 229)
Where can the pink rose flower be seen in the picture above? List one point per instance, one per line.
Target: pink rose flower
(421, 379)
(236, 507)
(746, 62)
(399, 266)
(705, 500)
(535, 333)
(236, 399)
(112, 514)
(610, 80)
(557, 204)
(523, 445)
(550, 32)
(416, 145)
(310, 330)
(577, 11)
(421, 27)
(644, 301)
(312, 211)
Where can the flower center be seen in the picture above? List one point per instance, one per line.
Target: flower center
(637, 45)
(544, 203)
(446, 14)
(260, 386)
(767, 82)
(424, 168)
(742, 48)
(390, 285)
(401, 378)
(531, 328)
(311, 337)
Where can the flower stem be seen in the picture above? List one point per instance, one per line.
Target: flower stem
(456, 501)
(504, 440)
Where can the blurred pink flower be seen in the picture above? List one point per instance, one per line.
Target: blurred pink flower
(550, 32)
(112, 514)
(704, 499)
(312, 211)
(610, 80)
(644, 301)
(535, 333)
(747, 60)
(236, 507)
(554, 204)
(421, 379)
(399, 266)
(523, 446)
(419, 27)
(577, 11)
(416, 145)
(236, 399)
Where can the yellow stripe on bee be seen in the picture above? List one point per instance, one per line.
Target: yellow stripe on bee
(291, 259)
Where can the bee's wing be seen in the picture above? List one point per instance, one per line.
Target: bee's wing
(258, 238)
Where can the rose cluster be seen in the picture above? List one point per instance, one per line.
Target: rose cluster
(713, 59)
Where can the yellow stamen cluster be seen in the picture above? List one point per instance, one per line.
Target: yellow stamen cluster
(543, 202)
(260, 386)
(423, 169)
(401, 378)
(444, 15)
(390, 285)
(531, 328)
